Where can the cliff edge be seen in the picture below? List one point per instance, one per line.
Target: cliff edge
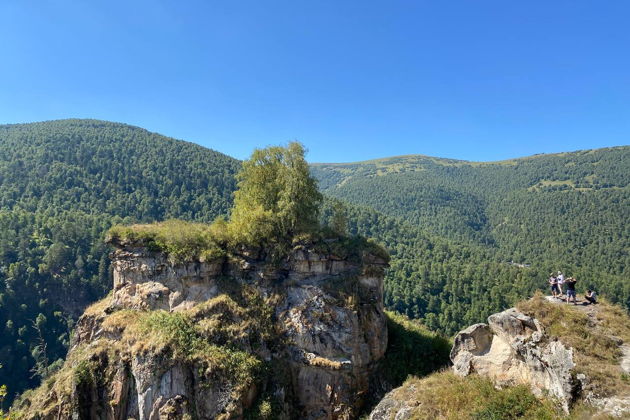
(542, 359)
(234, 336)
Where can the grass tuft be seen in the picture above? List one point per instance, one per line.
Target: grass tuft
(446, 396)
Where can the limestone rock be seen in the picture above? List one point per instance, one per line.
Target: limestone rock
(513, 349)
(393, 407)
(618, 407)
(329, 332)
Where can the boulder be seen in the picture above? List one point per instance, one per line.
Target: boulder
(513, 349)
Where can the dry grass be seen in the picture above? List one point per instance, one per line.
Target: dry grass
(595, 339)
(182, 241)
(446, 396)
(325, 363)
(215, 336)
(99, 307)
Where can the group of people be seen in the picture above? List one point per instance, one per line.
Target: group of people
(558, 281)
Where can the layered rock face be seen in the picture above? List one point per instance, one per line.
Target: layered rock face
(513, 349)
(300, 339)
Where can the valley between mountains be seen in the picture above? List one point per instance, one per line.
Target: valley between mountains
(450, 244)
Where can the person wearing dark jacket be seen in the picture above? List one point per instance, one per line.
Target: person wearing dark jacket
(570, 282)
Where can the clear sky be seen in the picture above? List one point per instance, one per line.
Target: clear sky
(352, 80)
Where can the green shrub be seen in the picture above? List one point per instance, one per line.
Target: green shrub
(513, 403)
(173, 328)
(276, 199)
(84, 374)
(176, 331)
(266, 407)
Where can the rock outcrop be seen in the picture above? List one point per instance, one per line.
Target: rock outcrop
(223, 338)
(513, 349)
(528, 347)
(393, 406)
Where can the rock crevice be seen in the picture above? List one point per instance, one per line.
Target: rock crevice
(325, 333)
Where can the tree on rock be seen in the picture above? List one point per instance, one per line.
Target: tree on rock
(277, 198)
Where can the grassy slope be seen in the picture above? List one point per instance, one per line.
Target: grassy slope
(594, 332)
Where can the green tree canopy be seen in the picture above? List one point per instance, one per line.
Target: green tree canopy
(277, 198)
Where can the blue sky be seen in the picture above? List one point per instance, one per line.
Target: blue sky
(352, 80)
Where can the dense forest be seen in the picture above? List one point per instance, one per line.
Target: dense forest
(566, 212)
(452, 228)
(62, 185)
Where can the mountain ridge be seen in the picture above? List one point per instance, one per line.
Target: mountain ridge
(64, 183)
(367, 161)
(464, 161)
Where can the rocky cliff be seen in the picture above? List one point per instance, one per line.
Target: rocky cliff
(233, 337)
(544, 358)
(511, 349)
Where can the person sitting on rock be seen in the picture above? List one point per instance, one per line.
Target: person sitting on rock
(591, 296)
(571, 289)
(553, 282)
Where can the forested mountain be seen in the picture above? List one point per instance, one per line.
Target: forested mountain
(445, 284)
(62, 184)
(455, 198)
(567, 212)
(450, 226)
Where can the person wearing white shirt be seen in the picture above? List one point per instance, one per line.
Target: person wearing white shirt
(560, 281)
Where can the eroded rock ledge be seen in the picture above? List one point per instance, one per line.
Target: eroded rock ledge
(513, 349)
(325, 332)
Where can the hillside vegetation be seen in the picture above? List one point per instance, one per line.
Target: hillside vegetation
(451, 227)
(566, 212)
(62, 185)
(498, 203)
